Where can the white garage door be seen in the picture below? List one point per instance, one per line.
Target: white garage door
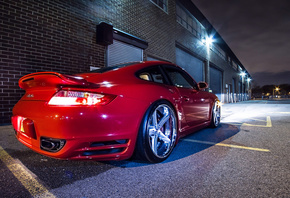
(191, 64)
(120, 52)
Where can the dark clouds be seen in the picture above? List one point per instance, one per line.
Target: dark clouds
(267, 78)
(257, 31)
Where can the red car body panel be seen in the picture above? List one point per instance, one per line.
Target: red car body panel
(105, 132)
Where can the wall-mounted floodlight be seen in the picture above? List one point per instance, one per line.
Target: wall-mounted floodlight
(243, 74)
(208, 40)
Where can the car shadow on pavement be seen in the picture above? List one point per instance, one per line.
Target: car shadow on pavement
(202, 140)
(191, 144)
(56, 173)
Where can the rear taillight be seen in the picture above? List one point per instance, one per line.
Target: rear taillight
(79, 98)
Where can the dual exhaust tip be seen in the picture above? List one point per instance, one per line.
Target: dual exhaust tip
(51, 145)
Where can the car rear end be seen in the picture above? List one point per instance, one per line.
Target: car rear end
(68, 117)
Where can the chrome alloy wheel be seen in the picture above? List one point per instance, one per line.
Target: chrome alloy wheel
(162, 130)
(216, 114)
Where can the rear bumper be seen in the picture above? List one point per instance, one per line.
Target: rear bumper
(96, 133)
(95, 148)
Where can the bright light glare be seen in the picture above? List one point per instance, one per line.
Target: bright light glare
(62, 101)
(219, 103)
(208, 40)
(249, 80)
(107, 84)
(104, 116)
(243, 74)
(69, 98)
(78, 77)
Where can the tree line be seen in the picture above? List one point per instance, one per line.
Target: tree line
(282, 90)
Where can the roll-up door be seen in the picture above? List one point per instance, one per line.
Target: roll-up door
(234, 86)
(149, 58)
(120, 52)
(216, 77)
(191, 64)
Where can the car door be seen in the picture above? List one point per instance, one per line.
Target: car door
(195, 103)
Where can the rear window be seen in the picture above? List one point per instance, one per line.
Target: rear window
(114, 67)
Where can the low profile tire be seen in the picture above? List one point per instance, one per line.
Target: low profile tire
(157, 134)
(215, 115)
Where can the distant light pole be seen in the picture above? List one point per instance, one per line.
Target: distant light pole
(275, 89)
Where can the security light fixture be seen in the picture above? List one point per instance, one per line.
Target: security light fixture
(208, 40)
(243, 74)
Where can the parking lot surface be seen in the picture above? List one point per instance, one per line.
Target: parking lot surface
(248, 155)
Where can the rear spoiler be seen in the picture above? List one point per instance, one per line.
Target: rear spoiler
(51, 79)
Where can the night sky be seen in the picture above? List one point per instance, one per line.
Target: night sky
(258, 32)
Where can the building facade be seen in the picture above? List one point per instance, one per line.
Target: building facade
(77, 36)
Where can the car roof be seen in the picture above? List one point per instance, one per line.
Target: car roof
(136, 65)
(124, 73)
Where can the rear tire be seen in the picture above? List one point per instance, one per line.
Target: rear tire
(157, 134)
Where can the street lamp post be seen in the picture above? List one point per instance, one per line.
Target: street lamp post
(275, 89)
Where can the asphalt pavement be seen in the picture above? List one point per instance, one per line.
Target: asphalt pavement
(248, 155)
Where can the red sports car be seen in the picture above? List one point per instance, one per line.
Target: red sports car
(113, 112)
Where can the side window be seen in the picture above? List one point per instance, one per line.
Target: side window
(179, 78)
(152, 74)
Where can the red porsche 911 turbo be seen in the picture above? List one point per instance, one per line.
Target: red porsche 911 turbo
(113, 112)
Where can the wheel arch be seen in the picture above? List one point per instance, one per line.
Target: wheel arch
(140, 135)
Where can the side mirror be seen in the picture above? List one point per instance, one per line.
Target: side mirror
(202, 85)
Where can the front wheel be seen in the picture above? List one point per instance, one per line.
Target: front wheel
(157, 134)
(215, 115)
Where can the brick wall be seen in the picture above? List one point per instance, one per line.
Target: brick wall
(59, 35)
(38, 35)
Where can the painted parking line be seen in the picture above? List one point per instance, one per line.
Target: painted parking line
(27, 180)
(227, 145)
(268, 123)
(281, 112)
